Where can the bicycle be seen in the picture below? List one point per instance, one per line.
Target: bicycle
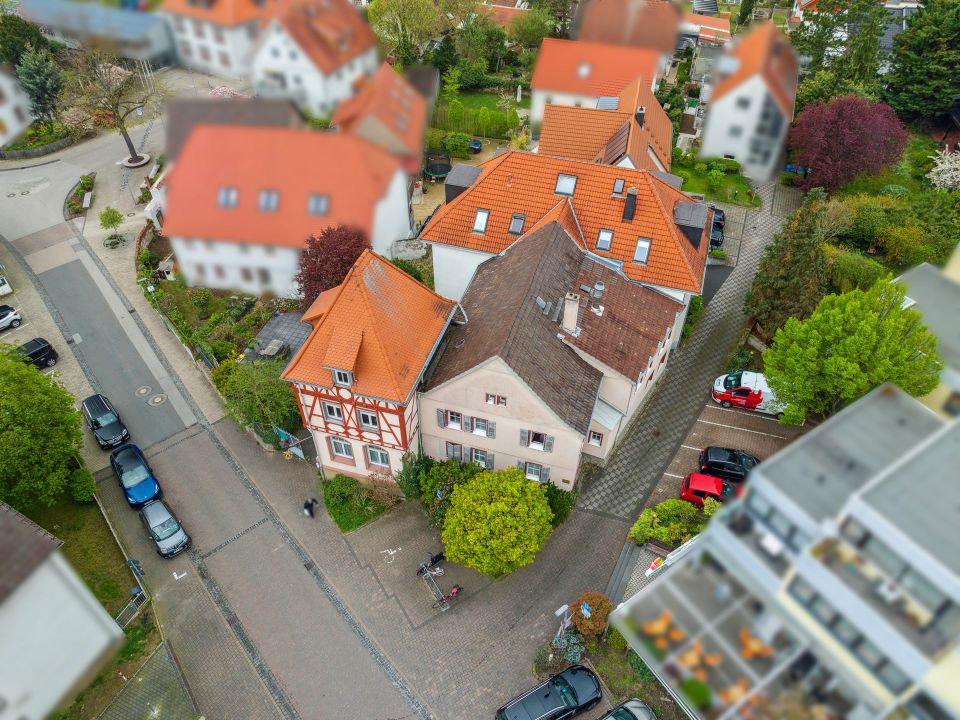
(445, 600)
(425, 569)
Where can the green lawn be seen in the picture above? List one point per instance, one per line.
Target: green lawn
(734, 189)
(476, 99)
(909, 172)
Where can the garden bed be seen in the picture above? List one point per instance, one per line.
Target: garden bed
(74, 202)
(38, 140)
(351, 503)
(626, 676)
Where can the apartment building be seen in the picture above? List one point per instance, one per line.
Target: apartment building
(832, 589)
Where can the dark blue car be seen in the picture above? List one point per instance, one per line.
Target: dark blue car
(134, 475)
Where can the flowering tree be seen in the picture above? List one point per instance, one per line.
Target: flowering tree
(327, 259)
(945, 174)
(844, 138)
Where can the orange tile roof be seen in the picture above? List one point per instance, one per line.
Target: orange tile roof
(500, 14)
(765, 51)
(227, 13)
(367, 325)
(584, 68)
(524, 182)
(636, 23)
(712, 28)
(387, 102)
(351, 172)
(330, 32)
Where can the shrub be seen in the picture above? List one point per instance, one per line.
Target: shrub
(739, 360)
(437, 481)
(201, 298)
(711, 506)
(693, 316)
(700, 168)
(348, 502)
(697, 692)
(715, 179)
(547, 661)
(850, 270)
(410, 470)
(571, 649)
(83, 487)
(895, 191)
(600, 607)
(905, 245)
(455, 111)
(458, 144)
(616, 640)
(671, 522)
(639, 667)
(718, 253)
(561, 503)
(409, 268)
(222, 350)
(434, 140)
(86, 183)
(221, 374)
(148, 259)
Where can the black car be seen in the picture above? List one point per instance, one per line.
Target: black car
(564, 695)
(38, 352)
(716, 230)
(726, 463)
(104, 421)
(716, 237)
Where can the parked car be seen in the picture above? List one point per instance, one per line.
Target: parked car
(716, 230)
(164, 528)
(719, 216)
(716, 237)
(562, 696)
(9, 317)
(134, 475)
(103, 419)
(747, 390)
(727, 463)
(5, 287)
(38, 352)
(631, 710)
(697, 487)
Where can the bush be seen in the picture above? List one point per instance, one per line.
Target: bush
(670, 523)
(86, 183)
(905, 245)
(222, 350)
(616, 640)
(437, 481)
(571, 649)
(850, 270)
(38, 135)
(700, 168)
(409, 268)
(718, 253)
(148, 259)
(348, 502)
(412, 466)
(715, 179)
(473, 75)
(895, 191)
(201, 298)
(600, 607)
(221, 374)
(458, 145)
(639, 667)
(547, 661)
(561, 503)
(693, 316)
(83, 487)
(739, 360)
(697, 692)
(434, 140)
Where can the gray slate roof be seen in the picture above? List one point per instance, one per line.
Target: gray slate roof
(24, 546)
(937, 297)
(90, 19)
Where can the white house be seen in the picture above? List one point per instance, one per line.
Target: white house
(751, 102)
(56, 636)
(587, 74)
(15, 114)
(314, 53)
(242, 201)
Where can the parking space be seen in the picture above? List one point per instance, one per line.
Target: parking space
(754, 433)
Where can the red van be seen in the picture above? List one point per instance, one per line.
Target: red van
(747, 390)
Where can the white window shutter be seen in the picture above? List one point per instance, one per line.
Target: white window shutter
(524, 438)
(441, 418)
(548, 446)
(491, 429)
(545, 474)
(458, 452)
(521, 465)
(489, 462)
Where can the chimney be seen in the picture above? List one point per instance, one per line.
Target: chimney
(598, 290)
(630, 207)
(641, 111)
(571, 306)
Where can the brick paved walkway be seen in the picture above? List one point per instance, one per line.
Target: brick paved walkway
(652, 440)
(155, 691)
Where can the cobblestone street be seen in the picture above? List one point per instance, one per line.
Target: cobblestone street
(657, 431)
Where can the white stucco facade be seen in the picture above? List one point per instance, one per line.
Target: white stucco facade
(15, 114)
(280, 67)
(213, 48)
(454, 268)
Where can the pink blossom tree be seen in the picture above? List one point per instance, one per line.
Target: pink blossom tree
(845, 138)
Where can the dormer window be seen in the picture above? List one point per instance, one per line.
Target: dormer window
(618, 186)
(566, 184)
(643, 250)
(269, 200)
(342, 378)
(318, 204)
(227, 197)
(604, 239)
(516, 224)
(480, 221)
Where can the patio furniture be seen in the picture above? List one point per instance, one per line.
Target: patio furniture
(752, 647)
(692, 657)
(676, 634)
(274, 349)
(659, 626)
(732, 694)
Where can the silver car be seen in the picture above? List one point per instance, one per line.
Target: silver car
(164, 528)
(631, 710)
(9, 317)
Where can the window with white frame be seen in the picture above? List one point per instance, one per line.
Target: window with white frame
(516, 224)
(227, 197)
(618, 186)
(479, 426)
(332, 411)
(533, 471)
(454, 420)
(537, 440)
(643, 250)
(368, 420)
(478, 456)
(318, 204)
(596, 439)
(378, 456)
(604, 238)
(269, 200)
(341, 447)
(566, 184)
(480, 221)
(493, 399)
(343, 378)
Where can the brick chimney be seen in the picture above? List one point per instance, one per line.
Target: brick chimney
(571, 307)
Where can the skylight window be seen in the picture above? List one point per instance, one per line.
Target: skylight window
(516, 223)
(584, 70)
(643, 250)
(480, 222)
(318, 204)
(566, 184)
(618, 186)
(604, 239)
(227, 197)
(269, 200)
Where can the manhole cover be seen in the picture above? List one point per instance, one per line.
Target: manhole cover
(11, 194)
(143, 390)
(158, 399)
(130, 214)
(25, 192)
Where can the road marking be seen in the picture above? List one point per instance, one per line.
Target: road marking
(672, 475)
(759, 415)
(181, 576)
(734, 427)
(691, 447)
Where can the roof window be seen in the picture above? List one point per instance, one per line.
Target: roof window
(227, 197)
(318, 204)
(604, 239)
(643, 250)
(516, 224)
(480, 221)
(566, 184)
(269, 200)
(618, 186)
(584, 70)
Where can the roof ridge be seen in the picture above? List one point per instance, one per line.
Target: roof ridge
(671, 225)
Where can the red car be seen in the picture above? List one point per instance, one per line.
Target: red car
(747, 390)
(697, 486)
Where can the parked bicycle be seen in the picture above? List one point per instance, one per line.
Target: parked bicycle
(445, 600)
(428, 567)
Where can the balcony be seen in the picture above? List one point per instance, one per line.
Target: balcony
(771, 551)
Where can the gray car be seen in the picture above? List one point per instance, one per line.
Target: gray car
(631, 710)
(9, 317)
(164, 528)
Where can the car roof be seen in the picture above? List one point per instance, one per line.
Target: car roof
(34, 344)
(156, 511)
(6, 308)
(708, 483)
(721, 453)
(96, 403)
(127, 449)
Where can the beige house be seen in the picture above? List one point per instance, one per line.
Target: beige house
(558, 351)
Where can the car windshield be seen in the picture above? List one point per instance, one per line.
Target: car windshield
(165, 529)
(133, 475)
(565, 691)
(732, 380)
(104, 420)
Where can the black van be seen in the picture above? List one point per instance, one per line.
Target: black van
(38, 352)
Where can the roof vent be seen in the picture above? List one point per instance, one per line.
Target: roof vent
(571, 307)
(598, 289)
(641, 111)
(630, 206)
(597, 310)
(541, 303)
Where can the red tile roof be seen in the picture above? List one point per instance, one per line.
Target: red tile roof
(330, 32)
(767, 52)
(387, 111)
(350, 171)
(365, 325)
(520, 182)
(500, 14)
(636, 23)
(713, 29)
(578, 133)
(227, 13)
(593, 69)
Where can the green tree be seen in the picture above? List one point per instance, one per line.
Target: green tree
(849, 345)
(923, 77)
(405, 25)
(530, 28)
(42, 80)
(255, 394)
(845, 37)
(110, 219)
(827, 84)
(451, 85)
(497, 522)
(436, 486)
(669, 523)
(444, 56)
(479, 39)
(17, 36)
(40, 437)
(483, 120)
(562, 10)
(715, 179)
